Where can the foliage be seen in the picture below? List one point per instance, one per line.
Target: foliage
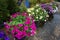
(38, 13)
(32, 2)
(22, 7)
(4, 12)
(12, 6)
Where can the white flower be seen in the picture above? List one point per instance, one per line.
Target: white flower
(47, 15)
(37, 10)
(45, 20)
(37, 4)
(28, 10)
(31, 8)
(41, 17)
(37, 17)
(29, 14)
(44, 10)
(32, 12)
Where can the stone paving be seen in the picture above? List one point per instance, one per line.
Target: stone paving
(50, 30)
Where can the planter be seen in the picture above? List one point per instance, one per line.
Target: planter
(20, 39)
(39, 23)
(50, 17)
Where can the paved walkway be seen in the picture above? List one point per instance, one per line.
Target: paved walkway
(50, 31)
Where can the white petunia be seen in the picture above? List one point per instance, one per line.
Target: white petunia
(41, 17)
(28, 10)
(37, 10)
(31, 8)
(37, 4)
(37, 17)
(45, 20)
(47, 15)
(29, 14)
(32, 12)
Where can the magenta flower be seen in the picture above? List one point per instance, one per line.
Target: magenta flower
(33, 32)
(24, 33)
(7, 26)
(13, 31)
(33, 27)
(19, 35)
(27, 20)
(24, 14)
(26, 28)
(18, 13)
(29, 34)
(14, 15)
(20, 25)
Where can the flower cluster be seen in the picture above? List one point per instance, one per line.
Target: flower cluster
(37, 13)
(21, 25)
(47, 7)
(3, 36)
(50, 8)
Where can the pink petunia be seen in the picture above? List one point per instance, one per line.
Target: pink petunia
(25, 28)
(32, 26)
(7, 26)
(33, 32)
(24, 33)
(24, 14)
(27, 20)
(14, 15)
(29, 34)
(19, 35)
(20, 25)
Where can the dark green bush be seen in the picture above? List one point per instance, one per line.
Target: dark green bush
(6, 8)
(12, 6)
(4, 12)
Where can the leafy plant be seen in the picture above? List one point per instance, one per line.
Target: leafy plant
(22, 7)
(4, 12)
(12, 6)
(37, 13)
(32, 2)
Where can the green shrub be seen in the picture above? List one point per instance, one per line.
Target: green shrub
(4, 12)
(12, 6)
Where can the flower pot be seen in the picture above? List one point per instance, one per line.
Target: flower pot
(50, 17)
(20, 39)
(39, 23)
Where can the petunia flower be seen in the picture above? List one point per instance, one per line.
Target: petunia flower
(7, 26)
(1, 34)
(27, 20)
(20, 25)
(24, 14)
(14, 15)
(26, 28)
(33, 27)
(6, 38)
(33, 32)
(19, 35)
